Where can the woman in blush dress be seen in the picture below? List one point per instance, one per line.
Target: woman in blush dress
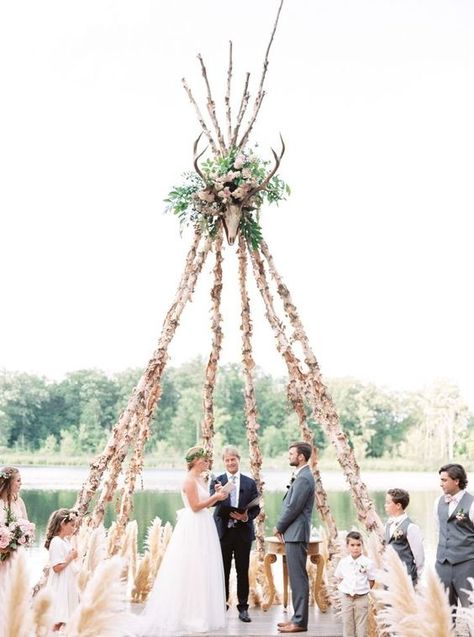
(12, 509)
(188, 595)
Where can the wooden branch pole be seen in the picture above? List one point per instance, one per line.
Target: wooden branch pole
(207, 427)
(242, 108)
(228, 109)
(143, 397)
(204, 127)
(261, 92)
(315, 392)
(250, 400)
(211, 107)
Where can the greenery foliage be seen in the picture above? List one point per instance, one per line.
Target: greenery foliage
(72, 417)
(231, 179)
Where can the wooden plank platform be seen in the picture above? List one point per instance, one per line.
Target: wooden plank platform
(265, 623)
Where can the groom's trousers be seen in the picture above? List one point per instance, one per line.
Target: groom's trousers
(296, 554)
(232, 544)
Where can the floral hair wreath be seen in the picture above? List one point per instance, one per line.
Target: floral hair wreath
(200, 453)
(72, 515)
(6, 474)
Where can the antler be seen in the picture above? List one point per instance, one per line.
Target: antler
(197, 157)
(266, 181)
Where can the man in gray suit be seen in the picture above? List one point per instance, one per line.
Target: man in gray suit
(455, 513)
(294, 528)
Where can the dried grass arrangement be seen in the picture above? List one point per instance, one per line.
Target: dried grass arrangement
(17, 615)
(101, 610)
(148, 565)
(409, 613)
(42, 620)
(94, 551)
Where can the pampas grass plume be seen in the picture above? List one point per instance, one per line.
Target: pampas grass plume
(143, 580)
(101, 610)
(17, 614)
(435, 609)
(41, 613)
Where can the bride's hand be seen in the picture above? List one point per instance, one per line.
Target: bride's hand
(221, 495)
(217, 486)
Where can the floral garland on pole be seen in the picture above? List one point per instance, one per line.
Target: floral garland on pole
(231, 179)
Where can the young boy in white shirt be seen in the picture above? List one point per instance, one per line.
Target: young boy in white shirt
(356, 576)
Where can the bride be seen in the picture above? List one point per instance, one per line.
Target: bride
(188, 595)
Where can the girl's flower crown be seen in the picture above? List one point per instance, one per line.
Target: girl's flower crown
(199, 453)
(6, 474)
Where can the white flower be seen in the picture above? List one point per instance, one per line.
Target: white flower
(246, 173)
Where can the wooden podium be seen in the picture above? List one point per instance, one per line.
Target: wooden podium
(273, 548)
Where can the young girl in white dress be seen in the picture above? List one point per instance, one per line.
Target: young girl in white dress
(62, 580)
(188, 595)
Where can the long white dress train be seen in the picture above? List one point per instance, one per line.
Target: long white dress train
(188, 595)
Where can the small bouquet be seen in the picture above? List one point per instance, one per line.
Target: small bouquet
(461, 516)
(14, 533)
(398, 534)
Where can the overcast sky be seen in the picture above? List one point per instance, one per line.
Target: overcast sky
(375, 100)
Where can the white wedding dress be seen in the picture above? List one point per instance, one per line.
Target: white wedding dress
(188, 595)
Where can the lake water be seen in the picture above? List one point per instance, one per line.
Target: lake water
(48, 488)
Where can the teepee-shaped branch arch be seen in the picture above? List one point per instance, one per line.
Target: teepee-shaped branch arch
(226, 193)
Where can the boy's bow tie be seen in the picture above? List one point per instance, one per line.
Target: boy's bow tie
(449, 498)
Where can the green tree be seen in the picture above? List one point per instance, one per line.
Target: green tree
(22, 397)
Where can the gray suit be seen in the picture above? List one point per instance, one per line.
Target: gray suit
(455, 554)
(295, 525)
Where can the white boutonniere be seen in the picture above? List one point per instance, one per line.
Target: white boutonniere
(461, 515)
(362, 568)
(398, 534)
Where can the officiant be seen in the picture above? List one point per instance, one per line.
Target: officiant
(234, 520)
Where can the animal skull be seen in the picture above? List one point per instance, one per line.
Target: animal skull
(232, 214)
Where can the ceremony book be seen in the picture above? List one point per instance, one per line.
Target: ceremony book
(225, 511)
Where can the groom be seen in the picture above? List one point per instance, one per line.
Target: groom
(294, 529)
(236, 531)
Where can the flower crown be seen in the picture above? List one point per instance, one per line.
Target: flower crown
(6, 474)
(72, 515)
(199, 453)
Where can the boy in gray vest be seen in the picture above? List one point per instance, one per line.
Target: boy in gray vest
(455, 515)
(402, 535)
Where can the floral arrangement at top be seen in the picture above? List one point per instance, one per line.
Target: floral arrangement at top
(14, 533)
(237, 179)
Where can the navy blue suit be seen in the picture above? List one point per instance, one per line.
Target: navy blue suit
(237, 540)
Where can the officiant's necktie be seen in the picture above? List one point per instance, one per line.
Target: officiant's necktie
(233, 493)
(233, 501)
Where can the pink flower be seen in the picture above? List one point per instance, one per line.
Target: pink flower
(239, 161)
(206, 195)
(225, 193)
(246, 173)
(5, 537)
(240, 192)
(231, 175)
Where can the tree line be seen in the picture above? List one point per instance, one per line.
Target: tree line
(73, 416)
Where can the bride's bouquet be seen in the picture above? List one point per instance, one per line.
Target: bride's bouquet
(14, 533)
